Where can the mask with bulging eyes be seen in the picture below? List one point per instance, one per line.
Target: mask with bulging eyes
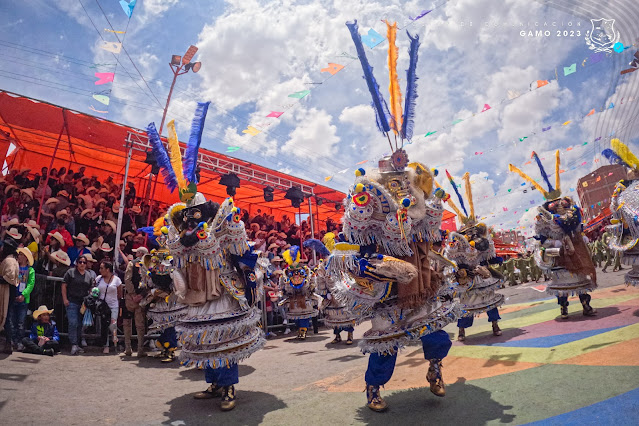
(297, 276)
(191, 217)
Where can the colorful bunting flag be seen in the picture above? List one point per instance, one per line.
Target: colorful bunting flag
(104, 77)
(372, 39)
(251, 131)
(541, 83)
(486, 108)
(571, 69)
(300, 94)
(128, 7)
(333, 68)
(275, 114)
(110, 46)
(102, 99)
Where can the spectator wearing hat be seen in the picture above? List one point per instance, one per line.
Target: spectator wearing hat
(19, 305)
(85, 221)
(62, 230)
(77, 284)
(33, 240)
(104, 252)
(44, 338)
(134, 294)
(62, 263)
(80, 247)
(63, 198)
(9, 271)
(43, 190)
(108, 230)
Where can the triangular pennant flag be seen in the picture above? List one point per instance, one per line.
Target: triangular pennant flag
(430, 133)
(300, 94)
(545, 129)
(611, 105)
(232, 148)
(566, 123)
(110, 46)
(459, 120)
(327, 178)
(486, 108)
(512, 94)
(333, 68)
(128, 7)
(592, 111)
(251, 131)
(372, 39)
(104, 77)
(275, 114)
(102, 99)
(571, 69)
(541, 83)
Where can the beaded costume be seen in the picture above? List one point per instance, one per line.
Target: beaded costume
(562, 254)
(624, 204)
(391, 217)
(208, 243)
(473, 250)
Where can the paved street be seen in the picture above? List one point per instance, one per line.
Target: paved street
(576, 371)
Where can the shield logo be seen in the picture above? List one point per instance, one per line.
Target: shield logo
(602, 36)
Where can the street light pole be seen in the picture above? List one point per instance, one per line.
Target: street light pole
(179, 65)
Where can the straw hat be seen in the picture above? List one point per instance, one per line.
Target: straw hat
(41, 310)
(27, 253)
(86, 212)
(111, 224)
(272, 246)
(13, 233)
(127, 233)
(51, 200)
(11, 222)
(58, 236)
(277, 259)
(28, 191)
(272, 231)
(89, 257)
(141, 251)
(62, 212)
(106, 247)
(255, 226)
(136, 209)
(35, 233)
(91, 188)
(63, 193)
(100, 200)
(32, 223)
(139, 237)
(282, 235)
(258, 233)
(103, 190)
(6, 190)
(61, 257)
(82, 238)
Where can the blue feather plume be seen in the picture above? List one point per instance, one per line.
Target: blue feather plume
(411, 88)
(193, 146)
(317, 246)
(543, 171)
(614, 158)
(379, 104)
(148, 230)
(162, 157)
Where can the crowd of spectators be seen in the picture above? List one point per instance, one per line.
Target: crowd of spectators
(73, 236)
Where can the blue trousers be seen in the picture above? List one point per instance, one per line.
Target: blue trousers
(168, 335)
(306, 323)
(337, 330)
(583, 298)
(380, 367)
(465, 322)
(223, 376)
(75, 322)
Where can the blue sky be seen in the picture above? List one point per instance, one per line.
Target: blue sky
(255, 54)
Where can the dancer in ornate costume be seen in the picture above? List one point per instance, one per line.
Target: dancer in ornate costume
(298, 291)
(163, 307)
(474, 252)
(336, 314)
(393, 211)
(563, 254)
(209, 247)
(624, 204)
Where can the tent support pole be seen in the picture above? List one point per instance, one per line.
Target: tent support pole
(310, 219)
(118, 231)
(46, 177)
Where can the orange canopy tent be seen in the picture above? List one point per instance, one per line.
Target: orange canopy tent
(40, 131)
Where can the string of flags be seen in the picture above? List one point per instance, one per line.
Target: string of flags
(114, 47)
(512, 94)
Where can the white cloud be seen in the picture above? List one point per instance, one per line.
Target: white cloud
(314, 138)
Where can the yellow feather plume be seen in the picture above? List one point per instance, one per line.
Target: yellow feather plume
(157, 226)
(624, 152)
(469, 195)
(175, 155)
(329, 241)
(393, 88)
(527, 178)
(557, 168)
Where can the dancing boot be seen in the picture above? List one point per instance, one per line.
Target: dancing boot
(462, 334)
(212, 391)
(496, 329)
(170, 355)
(564, 312)
(302, 333)
(589, 311)
(337, 339)
(434, 377)
(228, 398)
(375, 401)
(349, 339)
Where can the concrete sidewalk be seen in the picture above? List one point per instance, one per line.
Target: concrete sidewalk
(581, 370)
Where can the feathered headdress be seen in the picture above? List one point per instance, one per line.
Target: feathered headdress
(552, 193)
(317, 246)
(292, 256)
(179, 172)
(465, 218)
(393, 119)
(621, 154)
